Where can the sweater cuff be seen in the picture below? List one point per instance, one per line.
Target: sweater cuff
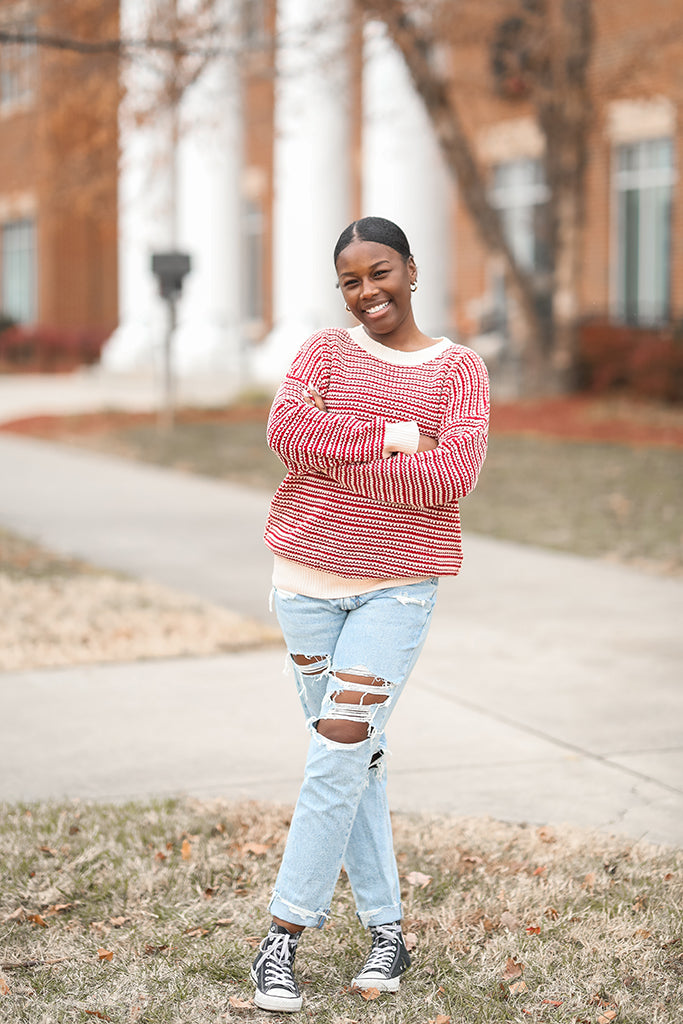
(401, 437)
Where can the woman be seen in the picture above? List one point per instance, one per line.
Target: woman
(382, 429)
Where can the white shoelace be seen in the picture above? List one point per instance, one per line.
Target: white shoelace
(385, 937)
(278, 960)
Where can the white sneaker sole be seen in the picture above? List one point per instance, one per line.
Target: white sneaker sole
(280, 1004)
(381, 984)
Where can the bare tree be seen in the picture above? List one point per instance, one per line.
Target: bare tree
(548, 50)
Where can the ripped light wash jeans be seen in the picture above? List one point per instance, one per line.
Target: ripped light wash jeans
(342, 814)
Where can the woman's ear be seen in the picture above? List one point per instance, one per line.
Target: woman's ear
(412, 269)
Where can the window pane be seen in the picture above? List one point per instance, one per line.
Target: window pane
(18, 270)
(520, 193)
(17, 67)
(644, 182)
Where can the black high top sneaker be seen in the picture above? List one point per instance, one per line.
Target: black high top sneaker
(272, 974)
(387, 960)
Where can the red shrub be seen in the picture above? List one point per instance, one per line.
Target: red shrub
(45, 349)
(647, 362)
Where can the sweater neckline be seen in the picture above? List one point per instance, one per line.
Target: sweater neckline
(396, 356)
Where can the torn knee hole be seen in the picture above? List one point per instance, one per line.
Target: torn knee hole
(361, 690)
(311, 665)
(341, 730)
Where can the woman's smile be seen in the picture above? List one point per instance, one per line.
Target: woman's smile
(377, 310)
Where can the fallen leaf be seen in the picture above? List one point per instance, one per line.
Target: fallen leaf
(17, 915)
(533, 929)
(441, 1018)
(551, 913)
(417, 878)
(410, 940)
(209, 893)
(37, 919)
(223, 922)
(541, 870)
(96, 1013)
(546, 835)
(607, 1016)
(160, 856)
(186, 850)
(487, 924)
(589, 881)
(240, 1004)
(642, 933)
(254, 941)
(258, 849)
(151, 950)
(370, 993)
(517, 987)
(4, 987)
(105, 954)
(49, 850)
(512, 969)
(197, 933)
(552, 1002)
(118, 921)
(58, 908)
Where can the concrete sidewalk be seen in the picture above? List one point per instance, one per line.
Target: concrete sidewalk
(549, 689)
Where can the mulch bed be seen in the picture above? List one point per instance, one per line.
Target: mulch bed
(571, 418)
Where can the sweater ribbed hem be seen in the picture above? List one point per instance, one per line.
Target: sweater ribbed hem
(310, 582)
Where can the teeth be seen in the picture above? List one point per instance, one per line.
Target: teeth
(376, 309)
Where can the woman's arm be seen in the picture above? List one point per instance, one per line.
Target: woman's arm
(304, 435)
(439, 475)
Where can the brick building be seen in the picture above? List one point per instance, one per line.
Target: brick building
(280, 150)
(58, 171)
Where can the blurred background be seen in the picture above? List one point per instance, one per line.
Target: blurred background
(173, 178)
(528, 148)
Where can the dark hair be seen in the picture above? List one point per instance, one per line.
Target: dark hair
(374, 229)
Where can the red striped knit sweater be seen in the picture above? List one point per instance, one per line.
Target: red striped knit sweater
(343, 507)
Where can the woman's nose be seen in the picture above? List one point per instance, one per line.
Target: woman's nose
(368, 287)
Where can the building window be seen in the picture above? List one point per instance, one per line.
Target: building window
(252, 241)
(520, 193)
(643, 183)
(17, 67)
(18, 268)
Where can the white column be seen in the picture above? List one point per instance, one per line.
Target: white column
(144, 212)
(209, 336)
(187, 197)
(404, 175)
(312, 175)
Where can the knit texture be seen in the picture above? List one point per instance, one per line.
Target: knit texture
(343, 507)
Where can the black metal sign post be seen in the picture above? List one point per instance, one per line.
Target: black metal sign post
(170, 268)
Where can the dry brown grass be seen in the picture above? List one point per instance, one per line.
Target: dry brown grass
(56, 610)
(150, 914)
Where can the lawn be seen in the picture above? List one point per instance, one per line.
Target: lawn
(594, 477)
(151, 913)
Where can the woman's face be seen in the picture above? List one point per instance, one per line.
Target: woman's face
(375, 282)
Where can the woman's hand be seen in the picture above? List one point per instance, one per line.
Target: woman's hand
(427, 443)
(314, 398)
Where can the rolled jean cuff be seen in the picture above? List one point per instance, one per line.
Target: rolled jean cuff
(297, 915)
(382, 915)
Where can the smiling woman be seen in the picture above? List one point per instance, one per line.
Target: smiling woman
(382, 429)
